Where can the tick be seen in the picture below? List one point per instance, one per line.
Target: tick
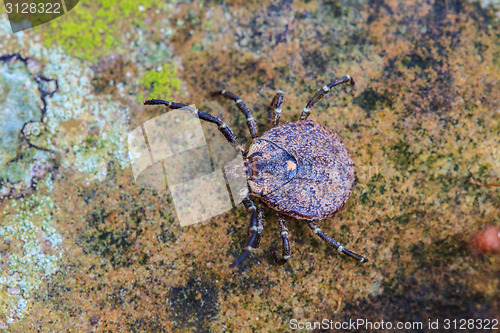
(300, 169)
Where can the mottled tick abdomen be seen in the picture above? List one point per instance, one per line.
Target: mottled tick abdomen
(312, 175)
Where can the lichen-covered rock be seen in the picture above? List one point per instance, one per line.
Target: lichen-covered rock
(23, 138)
(422, 120)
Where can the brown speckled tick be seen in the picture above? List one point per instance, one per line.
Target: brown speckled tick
(300, 169)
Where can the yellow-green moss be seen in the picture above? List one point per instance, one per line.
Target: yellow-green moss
(94, 29)
(160, 83)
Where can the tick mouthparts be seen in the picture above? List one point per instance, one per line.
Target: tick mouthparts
(351, 82)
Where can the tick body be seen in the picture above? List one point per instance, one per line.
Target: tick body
(299, 169)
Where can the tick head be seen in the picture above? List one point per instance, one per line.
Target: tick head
(269, 167)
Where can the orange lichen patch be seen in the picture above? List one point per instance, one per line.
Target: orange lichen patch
(426, 62)
(311, 6)
(106, 250)
(414, 130)
(71, 127)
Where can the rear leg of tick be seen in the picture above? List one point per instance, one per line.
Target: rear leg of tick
(275, 108)
(252, 125)
(223, 128)
(333, 243)
(322, 92)
(285, 247)
(253, 231)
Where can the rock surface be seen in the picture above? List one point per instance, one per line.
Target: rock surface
(89, 250)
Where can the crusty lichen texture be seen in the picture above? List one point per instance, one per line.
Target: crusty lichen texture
(22, 108)
(89, 250)
(93, 30)
(32, 248)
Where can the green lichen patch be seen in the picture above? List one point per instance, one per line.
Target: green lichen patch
(88, 130)
(31, 247)
(159, 83)
(24, 137)
(92, 30)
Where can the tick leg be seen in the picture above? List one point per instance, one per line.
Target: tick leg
(322, 92)
(253, 231)
(252, 126)
(285, 243)
(223, 128)
(275, 108)
(260, 223)
(332, 242)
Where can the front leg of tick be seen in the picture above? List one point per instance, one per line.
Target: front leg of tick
(252, 125)
(333, 243)
(275, 108)
(223, 128)
(322, 92)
